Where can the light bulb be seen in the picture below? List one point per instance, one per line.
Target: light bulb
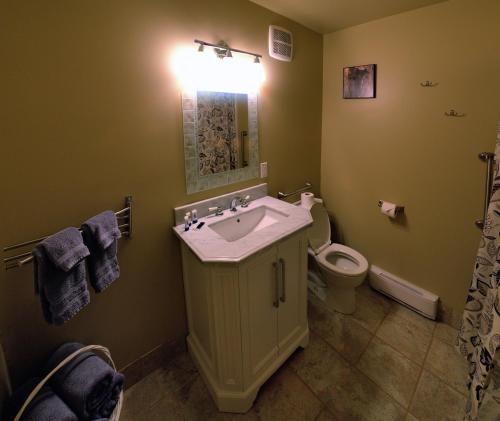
(206, 72)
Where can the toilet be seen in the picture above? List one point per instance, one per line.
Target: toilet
(342, 269)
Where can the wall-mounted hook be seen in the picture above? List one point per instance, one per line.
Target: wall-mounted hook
(453, 113)
(428, 84)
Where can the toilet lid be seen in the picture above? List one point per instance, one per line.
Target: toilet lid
(319, 233)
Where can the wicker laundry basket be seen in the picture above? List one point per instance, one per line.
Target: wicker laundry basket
(104, 351)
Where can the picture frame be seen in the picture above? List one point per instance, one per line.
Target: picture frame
(360, 82)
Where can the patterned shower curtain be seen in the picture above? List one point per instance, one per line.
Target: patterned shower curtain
(479, 337)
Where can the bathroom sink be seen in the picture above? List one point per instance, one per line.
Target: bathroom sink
(253, 220)
(235, 236)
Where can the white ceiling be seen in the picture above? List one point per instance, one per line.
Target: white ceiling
(326, 16)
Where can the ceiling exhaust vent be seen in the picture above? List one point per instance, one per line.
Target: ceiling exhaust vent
(280, 43)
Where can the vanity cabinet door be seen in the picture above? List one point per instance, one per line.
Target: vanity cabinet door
(292, 314)
(259, 313)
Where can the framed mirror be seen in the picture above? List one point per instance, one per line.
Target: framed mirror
(220, 138)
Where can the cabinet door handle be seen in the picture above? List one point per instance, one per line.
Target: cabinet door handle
(283, 280)
(276, 301)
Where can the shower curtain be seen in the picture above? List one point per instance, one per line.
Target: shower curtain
(479, 336)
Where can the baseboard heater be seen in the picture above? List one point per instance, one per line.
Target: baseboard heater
(418, 299)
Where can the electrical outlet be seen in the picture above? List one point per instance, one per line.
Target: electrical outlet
(263, 169)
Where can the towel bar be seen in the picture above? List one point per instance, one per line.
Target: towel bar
(282, 195)
(21, 259)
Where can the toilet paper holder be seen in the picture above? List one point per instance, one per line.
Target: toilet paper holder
(399, 209)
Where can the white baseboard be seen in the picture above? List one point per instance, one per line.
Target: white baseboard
(418, 299)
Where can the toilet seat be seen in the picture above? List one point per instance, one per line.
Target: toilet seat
(336, 258)
(342, 260)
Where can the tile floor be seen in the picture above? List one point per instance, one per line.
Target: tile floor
(383, 363)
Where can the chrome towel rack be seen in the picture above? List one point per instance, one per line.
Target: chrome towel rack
(124, 217)
(308, 186)
(489, 158)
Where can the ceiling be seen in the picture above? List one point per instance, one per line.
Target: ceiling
(326, 16)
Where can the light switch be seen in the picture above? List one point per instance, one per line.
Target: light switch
(263, 169)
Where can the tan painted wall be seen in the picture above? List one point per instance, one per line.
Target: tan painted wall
(4, 381)
(401, 148)
(91, 113)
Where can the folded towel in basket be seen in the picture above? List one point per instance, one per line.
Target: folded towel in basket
(89, 386)
(59, 270)
(45, 406)
(100, 234)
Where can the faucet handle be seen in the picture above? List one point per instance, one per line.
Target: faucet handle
(217, 209)
(244, 201)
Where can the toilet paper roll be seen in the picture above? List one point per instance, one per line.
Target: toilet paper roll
(307, 200)
(388, 209)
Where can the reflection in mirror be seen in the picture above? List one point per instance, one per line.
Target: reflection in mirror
(221, 131)
(221, 143)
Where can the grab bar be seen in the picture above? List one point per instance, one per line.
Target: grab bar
(282, 195)
(487, 157)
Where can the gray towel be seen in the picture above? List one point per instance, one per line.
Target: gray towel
(100, 235)
(65, 249)
(59, 269)
(46, 406)
(87, 384)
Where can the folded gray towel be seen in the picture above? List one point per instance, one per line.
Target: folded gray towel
(104, 228)
(65, 249)
(46, 406)
(87, 384)
(100, 235)
(59, 270)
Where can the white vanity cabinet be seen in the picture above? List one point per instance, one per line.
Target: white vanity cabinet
(245, 319)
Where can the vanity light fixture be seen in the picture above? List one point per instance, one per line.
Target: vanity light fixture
(217, 71)
(223, 50)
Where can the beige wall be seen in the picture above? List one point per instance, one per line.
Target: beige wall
(91, 113)
(4, 381)
(401, 148)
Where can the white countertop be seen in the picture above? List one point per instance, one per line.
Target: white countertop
(211, 247)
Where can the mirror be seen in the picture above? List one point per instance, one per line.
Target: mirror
(221, 129)
(220, 138)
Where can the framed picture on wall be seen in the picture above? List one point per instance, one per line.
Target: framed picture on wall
(359, 81)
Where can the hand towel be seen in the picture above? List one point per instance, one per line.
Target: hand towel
(104, 228)
(59, 270)
(100, 235)
(89, 386)
(46, 406)
(65, 249)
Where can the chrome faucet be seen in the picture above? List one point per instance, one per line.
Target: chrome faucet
(232, 205)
